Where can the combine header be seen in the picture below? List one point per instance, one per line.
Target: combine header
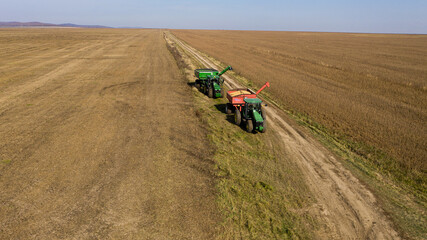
(247, 108)
(210, 82)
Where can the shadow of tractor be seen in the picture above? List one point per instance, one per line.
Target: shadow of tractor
(229, 117)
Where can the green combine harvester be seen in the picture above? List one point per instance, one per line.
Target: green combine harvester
(209, 81)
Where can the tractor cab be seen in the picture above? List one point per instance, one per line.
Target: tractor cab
(253, 103)
(215, 77)
(252, 109)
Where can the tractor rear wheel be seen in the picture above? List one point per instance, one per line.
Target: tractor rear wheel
(237, 117)
(249, 126)
(228, 108)
(264, 125)
(210, 92)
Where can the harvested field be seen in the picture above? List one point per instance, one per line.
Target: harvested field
(92, 147)
(337, 203)
(102, 138)
(370, 89)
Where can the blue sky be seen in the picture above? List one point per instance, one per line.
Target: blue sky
(392, 16)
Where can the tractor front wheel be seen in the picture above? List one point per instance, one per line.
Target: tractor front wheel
(197, 85)
(237, 117)
(264, 126)
(249, 126)
(210, 92)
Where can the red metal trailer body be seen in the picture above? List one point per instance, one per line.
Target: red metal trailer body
(236, 97)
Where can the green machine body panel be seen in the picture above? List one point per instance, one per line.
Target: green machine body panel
(257, 116)
(252, 112)
(217, 89)
(258, 120)
(208, 78)
(202, 74)
(252, 100)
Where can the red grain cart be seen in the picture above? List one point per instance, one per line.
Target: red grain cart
(237, 96)
(247, 108)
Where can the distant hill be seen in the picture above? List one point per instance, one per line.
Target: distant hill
(39, 24)
(81, 26)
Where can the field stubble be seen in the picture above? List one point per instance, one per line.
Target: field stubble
(372, 163)
(92, 147)
(367, 89)
(261, 192)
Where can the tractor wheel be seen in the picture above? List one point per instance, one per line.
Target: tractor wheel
(222, 92)
(264, 129)
(197, 85)
(228, 108)
(237, 117)
(249, 126)
(210, 92)
(263, 113)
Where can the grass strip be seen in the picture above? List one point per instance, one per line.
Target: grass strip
(401, 192)
(261, 195)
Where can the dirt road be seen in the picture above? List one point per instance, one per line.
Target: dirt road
(98, 140)
(345, 208)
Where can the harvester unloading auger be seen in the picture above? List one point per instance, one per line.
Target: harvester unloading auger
(247, 108)
(210, 82)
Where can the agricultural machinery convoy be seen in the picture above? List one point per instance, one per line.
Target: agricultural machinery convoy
(247, 108)
(210, 82)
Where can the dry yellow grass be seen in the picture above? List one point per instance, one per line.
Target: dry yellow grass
(368, 88)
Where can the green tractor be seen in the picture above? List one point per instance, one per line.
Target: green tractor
(252, 114)
(210, 82)
(247, 108)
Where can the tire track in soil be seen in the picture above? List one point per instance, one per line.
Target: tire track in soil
(108, 148)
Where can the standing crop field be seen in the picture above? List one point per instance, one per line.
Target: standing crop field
(370, 89)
